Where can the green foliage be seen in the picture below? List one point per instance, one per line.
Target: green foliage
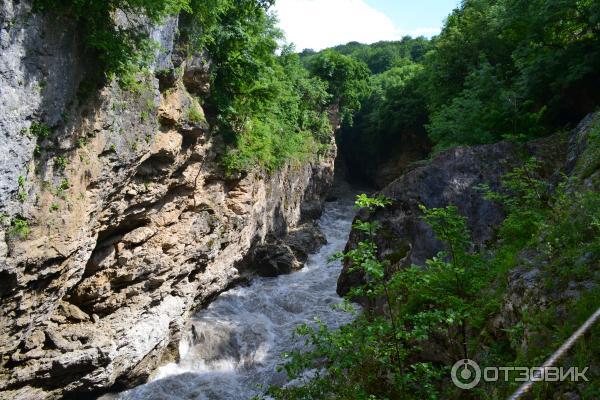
(62, 187)
(390, 111)
(446, 307)
(61, 162)
(372, 203)
(484, 112)
(588, 163)
(374, 356)
(392, 114)
(283, 119)
(40, 130)
(382, 56)
(525, 198)
(195, 115)
(20, 228)
(82, 142)
(346, 79)
(267, 107)
(269, 110)
(500, 69)
(125, 50)
(22, 192)
(510, 68)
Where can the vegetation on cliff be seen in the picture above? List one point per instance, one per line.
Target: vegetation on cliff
(512, 69)
(268, 107)
(500, 69)
(416, 321)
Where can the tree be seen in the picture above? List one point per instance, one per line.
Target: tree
(346, 79)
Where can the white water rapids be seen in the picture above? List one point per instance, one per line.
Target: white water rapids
(237, 342)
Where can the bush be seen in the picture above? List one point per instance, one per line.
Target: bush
(20, 228)
(447, 306)
(268, 108)
(346, 79)
(123, 51)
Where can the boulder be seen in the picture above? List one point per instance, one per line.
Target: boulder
(273, 259)
(451, 177)
(282, 256)
(196, 75)
(304, 240)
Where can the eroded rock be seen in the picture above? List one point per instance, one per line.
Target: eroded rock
(274, 259)
(139, 228)
(305, 240)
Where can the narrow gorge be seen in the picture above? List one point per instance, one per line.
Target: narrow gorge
(183, 211)
(140, 226)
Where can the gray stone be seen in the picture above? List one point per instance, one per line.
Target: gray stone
(305, 240)
(148, 228)
(138, 236)
(274, 259)
(35, 340)
(58, 341)
(449, 178)
(73, 312)
(197, 75)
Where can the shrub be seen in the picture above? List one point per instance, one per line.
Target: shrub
(22, 192)
(40, 130)
(195, 115)
(20, 228)
(122, 51)
(61, 162)
(449, 304)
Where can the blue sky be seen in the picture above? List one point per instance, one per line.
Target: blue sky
(317, 24)
(415, 14)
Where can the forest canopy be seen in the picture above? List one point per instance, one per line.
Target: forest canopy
(500, 69)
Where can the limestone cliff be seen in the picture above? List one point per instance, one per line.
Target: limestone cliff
(117, 218)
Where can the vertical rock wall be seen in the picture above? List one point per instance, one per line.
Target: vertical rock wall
(121, 221)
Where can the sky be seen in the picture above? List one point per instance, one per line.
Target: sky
(317, 24)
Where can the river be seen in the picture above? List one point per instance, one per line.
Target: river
(235, 345)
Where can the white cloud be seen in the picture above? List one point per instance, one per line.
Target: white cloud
(317, 24)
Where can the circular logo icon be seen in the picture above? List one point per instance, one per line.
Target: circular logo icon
(466, 374)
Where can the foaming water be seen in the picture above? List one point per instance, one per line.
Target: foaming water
(236, 343)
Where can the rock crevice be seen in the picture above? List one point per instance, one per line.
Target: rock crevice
(132, 222)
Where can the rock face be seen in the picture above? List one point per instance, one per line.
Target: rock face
(273, 259)
(451, 177)
(121, 222)
(537, 287)
(276, 256)
(530, 286)
(377, 162)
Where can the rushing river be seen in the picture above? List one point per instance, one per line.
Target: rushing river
(236, 343)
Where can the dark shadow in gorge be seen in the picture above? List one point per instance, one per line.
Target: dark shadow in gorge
(375, 161)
